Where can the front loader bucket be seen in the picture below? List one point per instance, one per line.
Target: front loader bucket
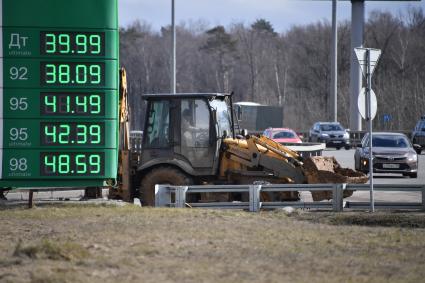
(322, 169)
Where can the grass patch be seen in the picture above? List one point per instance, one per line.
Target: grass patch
(48, 249)
(133, 244)
(378, 219)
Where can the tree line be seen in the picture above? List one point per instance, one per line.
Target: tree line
(291, 69)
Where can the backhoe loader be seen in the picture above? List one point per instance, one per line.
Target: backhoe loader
(190, 138)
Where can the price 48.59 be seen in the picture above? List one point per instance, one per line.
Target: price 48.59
(71, 164)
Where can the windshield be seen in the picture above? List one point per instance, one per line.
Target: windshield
(283, 135)
(331, 127)
(390, 141)
(223, 116)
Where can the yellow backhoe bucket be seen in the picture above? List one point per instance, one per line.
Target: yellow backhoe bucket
(323, 169)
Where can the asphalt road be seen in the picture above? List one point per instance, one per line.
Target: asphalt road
(344, 157)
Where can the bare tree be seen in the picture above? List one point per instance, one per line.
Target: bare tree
(289, 69)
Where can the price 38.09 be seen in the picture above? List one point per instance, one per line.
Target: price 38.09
(76, 74)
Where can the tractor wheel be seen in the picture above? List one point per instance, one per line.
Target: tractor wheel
(161, 175)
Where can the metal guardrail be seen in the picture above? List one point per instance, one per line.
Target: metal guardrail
(356, 136)
(387, 188)
(306, 149)
(163, 196)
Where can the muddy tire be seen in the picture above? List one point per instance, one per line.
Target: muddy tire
(161, 175)
(92, 192)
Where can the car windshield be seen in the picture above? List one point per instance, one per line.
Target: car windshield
(331, 127)
(283, 134)
(390, 141)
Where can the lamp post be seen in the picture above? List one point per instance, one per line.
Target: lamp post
(334, 66)
(173, 48)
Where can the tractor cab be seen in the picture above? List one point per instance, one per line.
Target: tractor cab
(186, 130)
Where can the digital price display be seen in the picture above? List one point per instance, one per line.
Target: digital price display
(59, 93)
(72, 43)
(34, 73)
(64, 73)
(74, 164)
(54, 133)
(55, 104)
(75, 104)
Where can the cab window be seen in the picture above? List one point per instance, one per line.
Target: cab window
(223, 117)
(195, 125)
(157, 129)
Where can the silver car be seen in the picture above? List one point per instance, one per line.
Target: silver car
(391, 153)
(332, 134)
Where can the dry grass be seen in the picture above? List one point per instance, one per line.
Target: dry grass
(53, 250)
(130, 244)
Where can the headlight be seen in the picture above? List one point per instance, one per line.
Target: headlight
(324, 135)
(412, 157)
(365, 155)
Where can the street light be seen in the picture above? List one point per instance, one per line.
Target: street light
(334, 66)
(173, 48)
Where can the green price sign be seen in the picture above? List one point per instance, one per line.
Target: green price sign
(59, 92)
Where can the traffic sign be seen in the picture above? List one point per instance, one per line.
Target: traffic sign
(59, 92)
(362, 104)
(387, 118)
(361, 57)
(368, 59)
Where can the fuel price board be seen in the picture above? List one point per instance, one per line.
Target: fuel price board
(59, 92)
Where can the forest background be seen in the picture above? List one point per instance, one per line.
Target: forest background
(291, 69)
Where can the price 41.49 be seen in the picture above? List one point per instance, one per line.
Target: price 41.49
(72, 104)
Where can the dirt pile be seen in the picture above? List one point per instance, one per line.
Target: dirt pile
(321, 169)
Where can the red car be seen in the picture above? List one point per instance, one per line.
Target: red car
(282, 135)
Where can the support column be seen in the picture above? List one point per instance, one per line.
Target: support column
(173, 48)
(334, 66)
(357, 31)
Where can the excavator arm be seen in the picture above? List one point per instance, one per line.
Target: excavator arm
(123, 188)
(261, 157)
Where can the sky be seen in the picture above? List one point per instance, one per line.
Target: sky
(282, 14)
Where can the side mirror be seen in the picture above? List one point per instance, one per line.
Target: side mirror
(225, 134)
(244, 132)
(214, 114)
(417, 148)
